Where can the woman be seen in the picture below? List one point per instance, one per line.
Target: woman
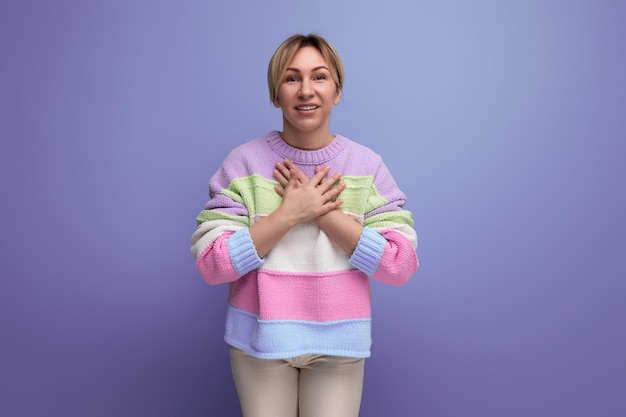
(296, 224)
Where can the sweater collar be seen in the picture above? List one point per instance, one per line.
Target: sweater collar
(303, 156)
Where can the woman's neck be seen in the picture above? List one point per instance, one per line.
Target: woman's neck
(307, 140)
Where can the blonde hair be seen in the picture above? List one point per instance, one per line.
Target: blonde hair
(285, 53)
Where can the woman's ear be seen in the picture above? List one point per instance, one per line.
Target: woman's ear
(337, 98)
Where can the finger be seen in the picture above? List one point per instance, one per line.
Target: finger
(294, 170)
(298, 175)
(334, 178)
(319, 175)
(332, 205)
(297, 178)
(282, 169)
(318, 169)
(291, 166)
(292, 183)
(329, 183)
(279, 190)
(280, 177)
(334, 192)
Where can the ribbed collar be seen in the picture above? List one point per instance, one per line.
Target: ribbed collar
(302, 156)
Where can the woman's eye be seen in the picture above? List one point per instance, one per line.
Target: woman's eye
(319, 77)
(291, 79)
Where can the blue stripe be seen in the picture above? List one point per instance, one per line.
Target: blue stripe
(282, 339)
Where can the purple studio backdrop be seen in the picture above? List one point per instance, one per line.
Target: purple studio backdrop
(503, 122)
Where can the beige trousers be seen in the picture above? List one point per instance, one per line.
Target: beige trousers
(305, 386)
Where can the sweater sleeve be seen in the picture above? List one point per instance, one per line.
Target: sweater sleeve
(221, 242)
(386, 250)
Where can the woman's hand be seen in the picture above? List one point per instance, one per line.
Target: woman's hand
(306, 198)
(342, 229)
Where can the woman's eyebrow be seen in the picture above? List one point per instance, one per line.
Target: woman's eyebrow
(313, 70)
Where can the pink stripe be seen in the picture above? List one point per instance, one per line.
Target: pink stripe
(313, 297)
(244, 293)
(399, 261)
(214, 262)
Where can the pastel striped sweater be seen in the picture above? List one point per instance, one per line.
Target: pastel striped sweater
(305, 296)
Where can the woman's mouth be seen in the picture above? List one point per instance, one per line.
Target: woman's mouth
(306, 108)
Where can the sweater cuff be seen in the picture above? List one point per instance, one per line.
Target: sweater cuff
(368, 252)
(242, 252)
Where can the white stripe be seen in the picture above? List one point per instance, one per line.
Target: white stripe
(305, 248)
(406, 230)
(208, 231)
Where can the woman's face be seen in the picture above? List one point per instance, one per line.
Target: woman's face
(307, 93)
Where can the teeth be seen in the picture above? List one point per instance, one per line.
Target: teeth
(307, 107)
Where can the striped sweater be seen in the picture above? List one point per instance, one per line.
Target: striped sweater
(305, 296)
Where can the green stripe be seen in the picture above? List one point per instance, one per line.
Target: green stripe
(208, 215)
(390, 219)
(360, 195)
(258, 195)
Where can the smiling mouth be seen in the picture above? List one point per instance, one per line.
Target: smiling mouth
(307, 107)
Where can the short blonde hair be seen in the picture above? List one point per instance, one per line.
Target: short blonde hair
(287, 50)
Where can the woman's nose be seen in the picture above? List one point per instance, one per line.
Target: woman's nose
(306, 89)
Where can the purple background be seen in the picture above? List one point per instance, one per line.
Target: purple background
(504, 122)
